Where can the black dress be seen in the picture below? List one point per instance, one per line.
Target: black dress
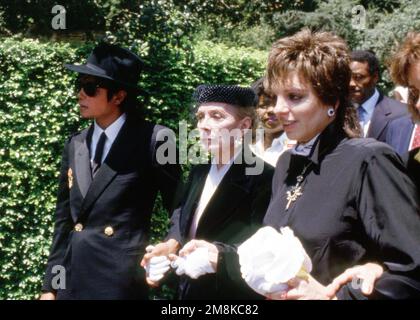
(357, 205)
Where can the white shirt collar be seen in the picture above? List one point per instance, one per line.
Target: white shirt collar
(112, 130)
(304, 149)
(111, 133)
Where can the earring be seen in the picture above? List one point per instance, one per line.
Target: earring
(331, 112)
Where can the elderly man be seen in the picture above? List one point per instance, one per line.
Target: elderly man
(222, 204)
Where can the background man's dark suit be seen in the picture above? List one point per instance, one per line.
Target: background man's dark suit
(100, 265)
(385, 111)
(233, 214)
(399, 136)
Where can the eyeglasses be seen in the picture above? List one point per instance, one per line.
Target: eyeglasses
(89, 87)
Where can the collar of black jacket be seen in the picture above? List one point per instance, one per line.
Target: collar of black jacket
(327, 141)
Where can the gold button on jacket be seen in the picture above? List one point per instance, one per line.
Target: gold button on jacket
(109, 231)
(78, 227)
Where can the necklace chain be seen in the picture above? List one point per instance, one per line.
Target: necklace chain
(296, 191)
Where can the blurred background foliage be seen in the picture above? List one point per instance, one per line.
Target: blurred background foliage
(184, 43)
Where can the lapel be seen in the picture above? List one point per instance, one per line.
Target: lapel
(198, 180)
(120, 158)
(379, 117)
(233, 188)
(82, 161)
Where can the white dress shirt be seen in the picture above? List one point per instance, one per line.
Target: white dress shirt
(369, 106)
(410, 146)
(214, 178)
(111, 133)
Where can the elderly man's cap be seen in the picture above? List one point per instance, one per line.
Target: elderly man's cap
(230, 94)
(113, 63)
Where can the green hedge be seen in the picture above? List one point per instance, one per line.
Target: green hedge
(38, 111)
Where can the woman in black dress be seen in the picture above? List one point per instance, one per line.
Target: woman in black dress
(348, 200)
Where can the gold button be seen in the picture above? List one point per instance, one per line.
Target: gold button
(109, 231)
(78, 227)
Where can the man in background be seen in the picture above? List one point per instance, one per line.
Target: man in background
(374, 109)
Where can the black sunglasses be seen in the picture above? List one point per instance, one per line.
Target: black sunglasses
(89, 87)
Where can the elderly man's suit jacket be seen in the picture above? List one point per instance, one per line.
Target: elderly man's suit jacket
(399, 134)
(102, 222)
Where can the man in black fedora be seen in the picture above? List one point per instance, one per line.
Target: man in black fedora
(109, 179)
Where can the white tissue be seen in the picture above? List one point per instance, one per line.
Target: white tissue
(270, 259)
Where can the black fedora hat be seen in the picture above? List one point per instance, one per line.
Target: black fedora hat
(114, 63)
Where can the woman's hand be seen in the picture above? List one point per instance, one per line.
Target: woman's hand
(367, 273)
(312, 290)
(303, 289)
